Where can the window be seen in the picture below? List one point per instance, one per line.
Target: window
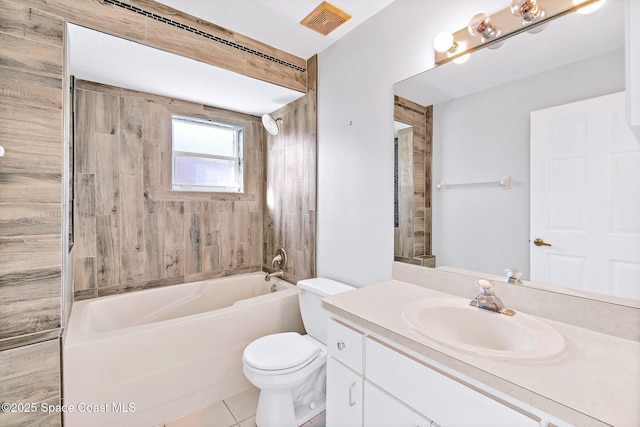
(206, 156)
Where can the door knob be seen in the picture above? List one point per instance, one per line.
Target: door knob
(540, 242)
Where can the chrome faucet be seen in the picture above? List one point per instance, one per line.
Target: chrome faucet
(281, 260)
(487, 299)
(513, 276)
(278, 273)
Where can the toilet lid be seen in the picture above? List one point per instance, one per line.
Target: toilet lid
(280, 351)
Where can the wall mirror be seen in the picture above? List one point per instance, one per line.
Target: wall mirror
(482, 131)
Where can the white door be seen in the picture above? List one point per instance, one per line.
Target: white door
(585, 197)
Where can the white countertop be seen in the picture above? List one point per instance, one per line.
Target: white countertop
(596, 382)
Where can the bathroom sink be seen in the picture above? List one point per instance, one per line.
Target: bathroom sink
(454, 323)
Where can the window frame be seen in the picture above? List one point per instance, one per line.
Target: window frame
(238, 159)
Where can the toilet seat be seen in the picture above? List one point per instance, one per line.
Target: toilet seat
(279, 354)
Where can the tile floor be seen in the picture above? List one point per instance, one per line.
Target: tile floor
(234, 411)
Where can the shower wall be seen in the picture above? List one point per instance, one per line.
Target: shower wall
(290, 185)
(412, 239)
(131, 231)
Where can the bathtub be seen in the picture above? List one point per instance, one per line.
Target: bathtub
(144, 358)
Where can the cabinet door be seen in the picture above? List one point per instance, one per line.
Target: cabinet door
(440, 397)
(382, 410)
(344, 395)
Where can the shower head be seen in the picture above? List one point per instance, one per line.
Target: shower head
(270, 124)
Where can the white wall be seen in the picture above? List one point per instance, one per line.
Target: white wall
(355, 130)
(483, 136)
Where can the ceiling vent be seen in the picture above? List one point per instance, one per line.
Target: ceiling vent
(325, 18)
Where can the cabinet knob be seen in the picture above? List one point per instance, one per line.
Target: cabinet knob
(341, 345)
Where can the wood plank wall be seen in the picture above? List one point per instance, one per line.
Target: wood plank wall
(131, 231)
(291, 165)
(163, 27)
(404, 234)
(418, 243)
(31, 131)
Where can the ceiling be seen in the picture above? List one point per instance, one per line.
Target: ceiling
(99, 57)
(110, 60)
(277, 22)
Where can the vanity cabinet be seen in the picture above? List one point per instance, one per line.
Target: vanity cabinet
(383, 410)
(434, 394)
(371, 382)
(344, 375)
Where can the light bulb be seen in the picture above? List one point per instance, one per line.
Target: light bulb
(480, 25)
(444, 42)
(529, 10)
(462, 59)
(588, 9)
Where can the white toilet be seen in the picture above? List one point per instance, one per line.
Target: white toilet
(289, 368)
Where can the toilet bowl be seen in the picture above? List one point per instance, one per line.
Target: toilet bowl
(289, 368)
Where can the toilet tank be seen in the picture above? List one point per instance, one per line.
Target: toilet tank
(311, 292)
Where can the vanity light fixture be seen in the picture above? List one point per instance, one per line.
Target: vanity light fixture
(529, 11)
(592, 7)
(492, 30)
(462, 59)
(480, 25)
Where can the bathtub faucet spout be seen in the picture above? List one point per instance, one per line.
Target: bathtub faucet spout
(278, 273)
